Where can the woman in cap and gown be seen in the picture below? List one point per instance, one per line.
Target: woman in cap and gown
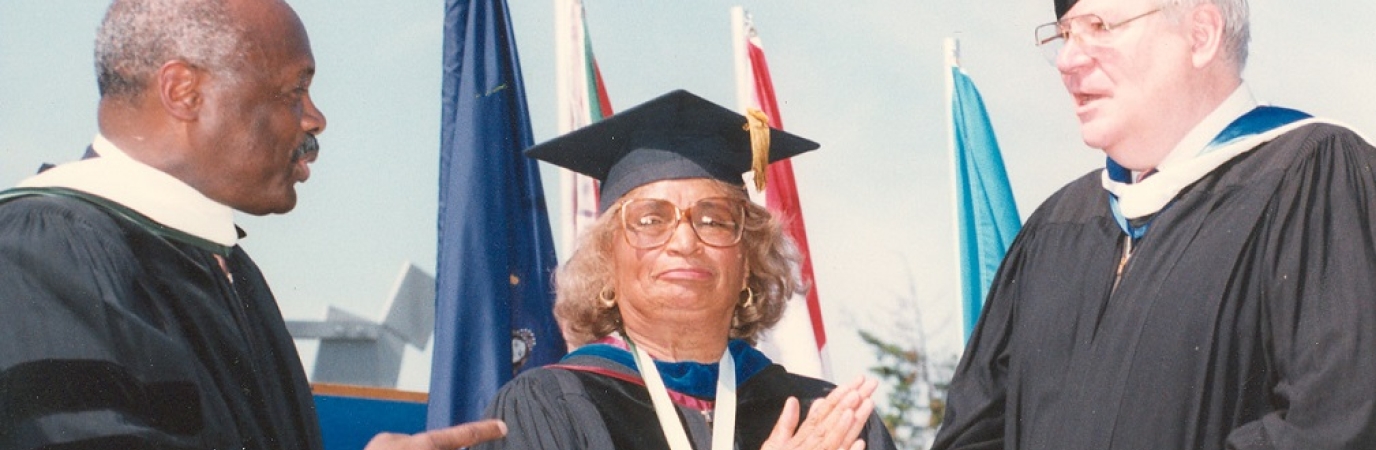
(663, 298)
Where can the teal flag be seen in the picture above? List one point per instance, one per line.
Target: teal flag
(986, 214)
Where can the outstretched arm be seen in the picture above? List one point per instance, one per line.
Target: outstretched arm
(455, 437)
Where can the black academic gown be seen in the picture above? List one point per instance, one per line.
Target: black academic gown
(566, 409)
(1245, 318)
(112, 336)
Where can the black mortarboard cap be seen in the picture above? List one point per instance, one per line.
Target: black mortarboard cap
(1062, 6)
(675, 136)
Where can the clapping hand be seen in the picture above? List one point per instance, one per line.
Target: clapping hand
(832, 423)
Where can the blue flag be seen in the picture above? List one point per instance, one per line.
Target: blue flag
(987, 217)
(496, 253)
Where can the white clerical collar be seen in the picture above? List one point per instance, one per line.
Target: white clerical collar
(1198, 154)
(1238, 103)
(155, 194)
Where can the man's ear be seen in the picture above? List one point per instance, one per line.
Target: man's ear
(1206, 34)
(179, 86)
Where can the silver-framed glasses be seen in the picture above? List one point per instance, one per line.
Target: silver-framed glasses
(1088, 30)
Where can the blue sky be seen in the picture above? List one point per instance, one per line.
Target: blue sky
(862, 78)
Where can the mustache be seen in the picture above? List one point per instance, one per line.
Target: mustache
(309, 146)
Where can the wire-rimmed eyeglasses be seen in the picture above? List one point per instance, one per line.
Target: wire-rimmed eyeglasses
(650, 222)
(1087, 29)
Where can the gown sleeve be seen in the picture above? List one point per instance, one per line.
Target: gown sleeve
(69, 372)
(974, 417)
(546, 409)
(1318, 259)
(876, 434)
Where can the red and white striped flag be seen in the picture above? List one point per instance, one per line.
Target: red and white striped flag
(799, 341)
(582, 101)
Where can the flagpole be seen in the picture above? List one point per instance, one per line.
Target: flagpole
(563, 58)
(582, 101)
(951, 55)
(566, 81)
(745, 80)
(798, 340)
(745, 90)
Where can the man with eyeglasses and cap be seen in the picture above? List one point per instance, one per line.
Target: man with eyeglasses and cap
(1211, 288)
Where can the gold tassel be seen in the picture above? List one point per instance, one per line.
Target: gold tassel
(758, 124)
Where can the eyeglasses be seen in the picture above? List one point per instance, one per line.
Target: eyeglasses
(1087, 29)
(650, 222)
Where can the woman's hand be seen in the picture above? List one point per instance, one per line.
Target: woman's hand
(832, 423)
(455, 437)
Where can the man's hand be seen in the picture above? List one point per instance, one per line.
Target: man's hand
(455, 437)
(832, 423)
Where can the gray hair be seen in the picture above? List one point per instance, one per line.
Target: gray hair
(1237, 30)
(138, 36)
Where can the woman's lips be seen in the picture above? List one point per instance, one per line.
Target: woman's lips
(685, 273)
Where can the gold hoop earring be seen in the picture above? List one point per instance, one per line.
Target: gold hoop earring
(749, 299)
(607, 298)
